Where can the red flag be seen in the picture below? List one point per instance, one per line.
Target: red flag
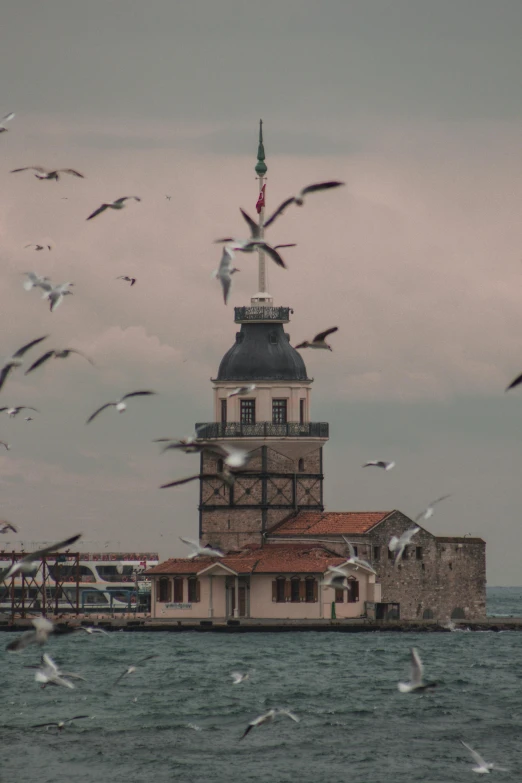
(261, 200)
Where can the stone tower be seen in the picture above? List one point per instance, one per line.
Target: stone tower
(273, 423)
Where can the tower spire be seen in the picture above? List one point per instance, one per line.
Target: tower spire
(261, 169)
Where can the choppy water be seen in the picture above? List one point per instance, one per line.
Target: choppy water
(179, 718)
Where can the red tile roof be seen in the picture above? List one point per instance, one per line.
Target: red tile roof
(313, 523)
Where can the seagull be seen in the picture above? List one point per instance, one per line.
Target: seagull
(6, 526)
(206, 550)
(225, 271)
(238, 677)
(127, 279)
(398, 545)
(35, 281)
(118, 204)
(319, 340)
(16, 359)
(119, 404)
(255, 242)
(242, 390)
(299, 199)
(354, 560)
(42, 173)
(60, 725)
(483, 767)
(233, 458)
(55, 294)
(91, 630)
(25, 564)
(335, 580)
(379, 463)
(225, 476)
(15, 411)
(132, 669)
(61, 354)
(168, 198)
(7, 447)
(267, 717)
(48, 673)
(417, 670)
(7, 118)
(39, 247)
(28, 418)
(429, 510)
(43, 628)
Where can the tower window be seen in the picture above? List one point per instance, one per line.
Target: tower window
(224, 411)
(248, 411)
(273, 339)
(220, 466)
(301, 465)
(302, 409)
(279, 409)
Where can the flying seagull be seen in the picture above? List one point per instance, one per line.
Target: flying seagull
(429, 510)
(238, 677)
(255, 242)
(233, 458)
(335, 580)
(43, 628)
(15, 411)
(48, 673)
(319, 340)
(267, 717)
(61, 354)
(39, 247)
(416, 683)
(299, 199)
(35, 281)
(398, 545)
(379, 463)
(60, 725)
(6, 526)
(26, 563)
(225, 271)
(354, 560)
(16, 359)
(7, 447)
(483, 767)
(131, 669)
(42, 173)
(206, 550)
(225, 476)
(119, 404)
(91, 630)
(55, 294)
(242, 390)
(127, 279)
(7, 118)
(118, 204)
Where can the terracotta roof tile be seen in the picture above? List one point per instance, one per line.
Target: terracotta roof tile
(313, 523)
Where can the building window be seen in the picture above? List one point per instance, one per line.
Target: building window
(418, 552)
(164, 591)
(223, 411)
(376, 552)
(391, 555)
(280, 590)
(295, 593)
(248, 411)
(310, 590)
(406, 553)
(279, 411)
(339, 595)
(300, 466)
(220, 465)
(193, 590)
(178, 590)
(353, 591)
(355, 550)
(302, 410)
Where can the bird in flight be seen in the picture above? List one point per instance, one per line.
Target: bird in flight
(39, 247)
(242, 390)
(354, 560)
(26, 564)
(238, 677)
(127, 279)
(225, 476)
(42, 173)
(132, 669)
(91, 630)
(416, 683)
(42, 629)
(48, 673)
(55, 294)
(118, 204)
(379, 463)
(429, 510)
(7, 447)
(15, 411)
(7, 118)
(299, 199)
(399, 544)
(62, 354)
(197, 549)
(225, 271)
(119, 404)
(60, 725)
(6, 526)
(17, 359)
(267, 717)
(255, 242)
(319, 340)
(35, 281)
(483, 767)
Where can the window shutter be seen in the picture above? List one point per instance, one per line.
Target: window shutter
(274, 590)
(339, 596)
(288, 590)
(198, 593)
(302, 590)
(355, 591)
(315, 590)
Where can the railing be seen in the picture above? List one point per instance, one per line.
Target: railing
(263, 429)
(260, 313)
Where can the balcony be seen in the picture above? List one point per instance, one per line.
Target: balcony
(263, 314)
(262, 429)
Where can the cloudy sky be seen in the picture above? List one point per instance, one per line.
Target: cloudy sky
(417, 106)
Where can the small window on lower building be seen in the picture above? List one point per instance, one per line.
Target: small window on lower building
(301, 466)
(339, 595)
(164, 591)
(376, 552)
(279, 411)
(220, 465)
(193, 590)
(280, 587)
(418, 552)
(178, 590)
(353, 591)
(391, 555)
(295, 596)
(310, 590)
(406, 553)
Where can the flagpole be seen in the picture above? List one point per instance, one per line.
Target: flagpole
(261, 170)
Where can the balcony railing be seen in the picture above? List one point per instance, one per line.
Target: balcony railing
(262, 429)
(260, 313)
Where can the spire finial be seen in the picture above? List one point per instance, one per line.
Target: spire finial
(261, 167)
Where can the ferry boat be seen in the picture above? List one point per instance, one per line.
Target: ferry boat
(90, 581)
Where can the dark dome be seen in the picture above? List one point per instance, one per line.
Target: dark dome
(262, 352)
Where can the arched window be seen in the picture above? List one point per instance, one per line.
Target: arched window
(428, 614)
(458, 614)
(301, 466)
(164, 590)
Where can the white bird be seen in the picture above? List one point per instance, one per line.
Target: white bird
(60, 725)
(298, 200)
(132, 669)
(91, 630)
(399, 544)
(7, 447)
(429, 510)
(55, 294)
(232, 458)
(15, 411)
(6, 526)
(16, 359)
(255, 242)
(356, 561)
(61, 354)
(28, 418)
(127, 279)
(225, 475)
(319, 340)
(42, 173)
(267, 717)
(483, 767)
(238, 677)
(7, 118)
(416, 683)
(335, 580)
(225, 271)
(26, 563)
(37, 246)
(242, 390)
(48, 673)
(118, 204)
(379, 463)
(43, 628)
(206, 550)
(119, 404)
(35, 281)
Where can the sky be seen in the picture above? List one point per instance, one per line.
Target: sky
(416, 106)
